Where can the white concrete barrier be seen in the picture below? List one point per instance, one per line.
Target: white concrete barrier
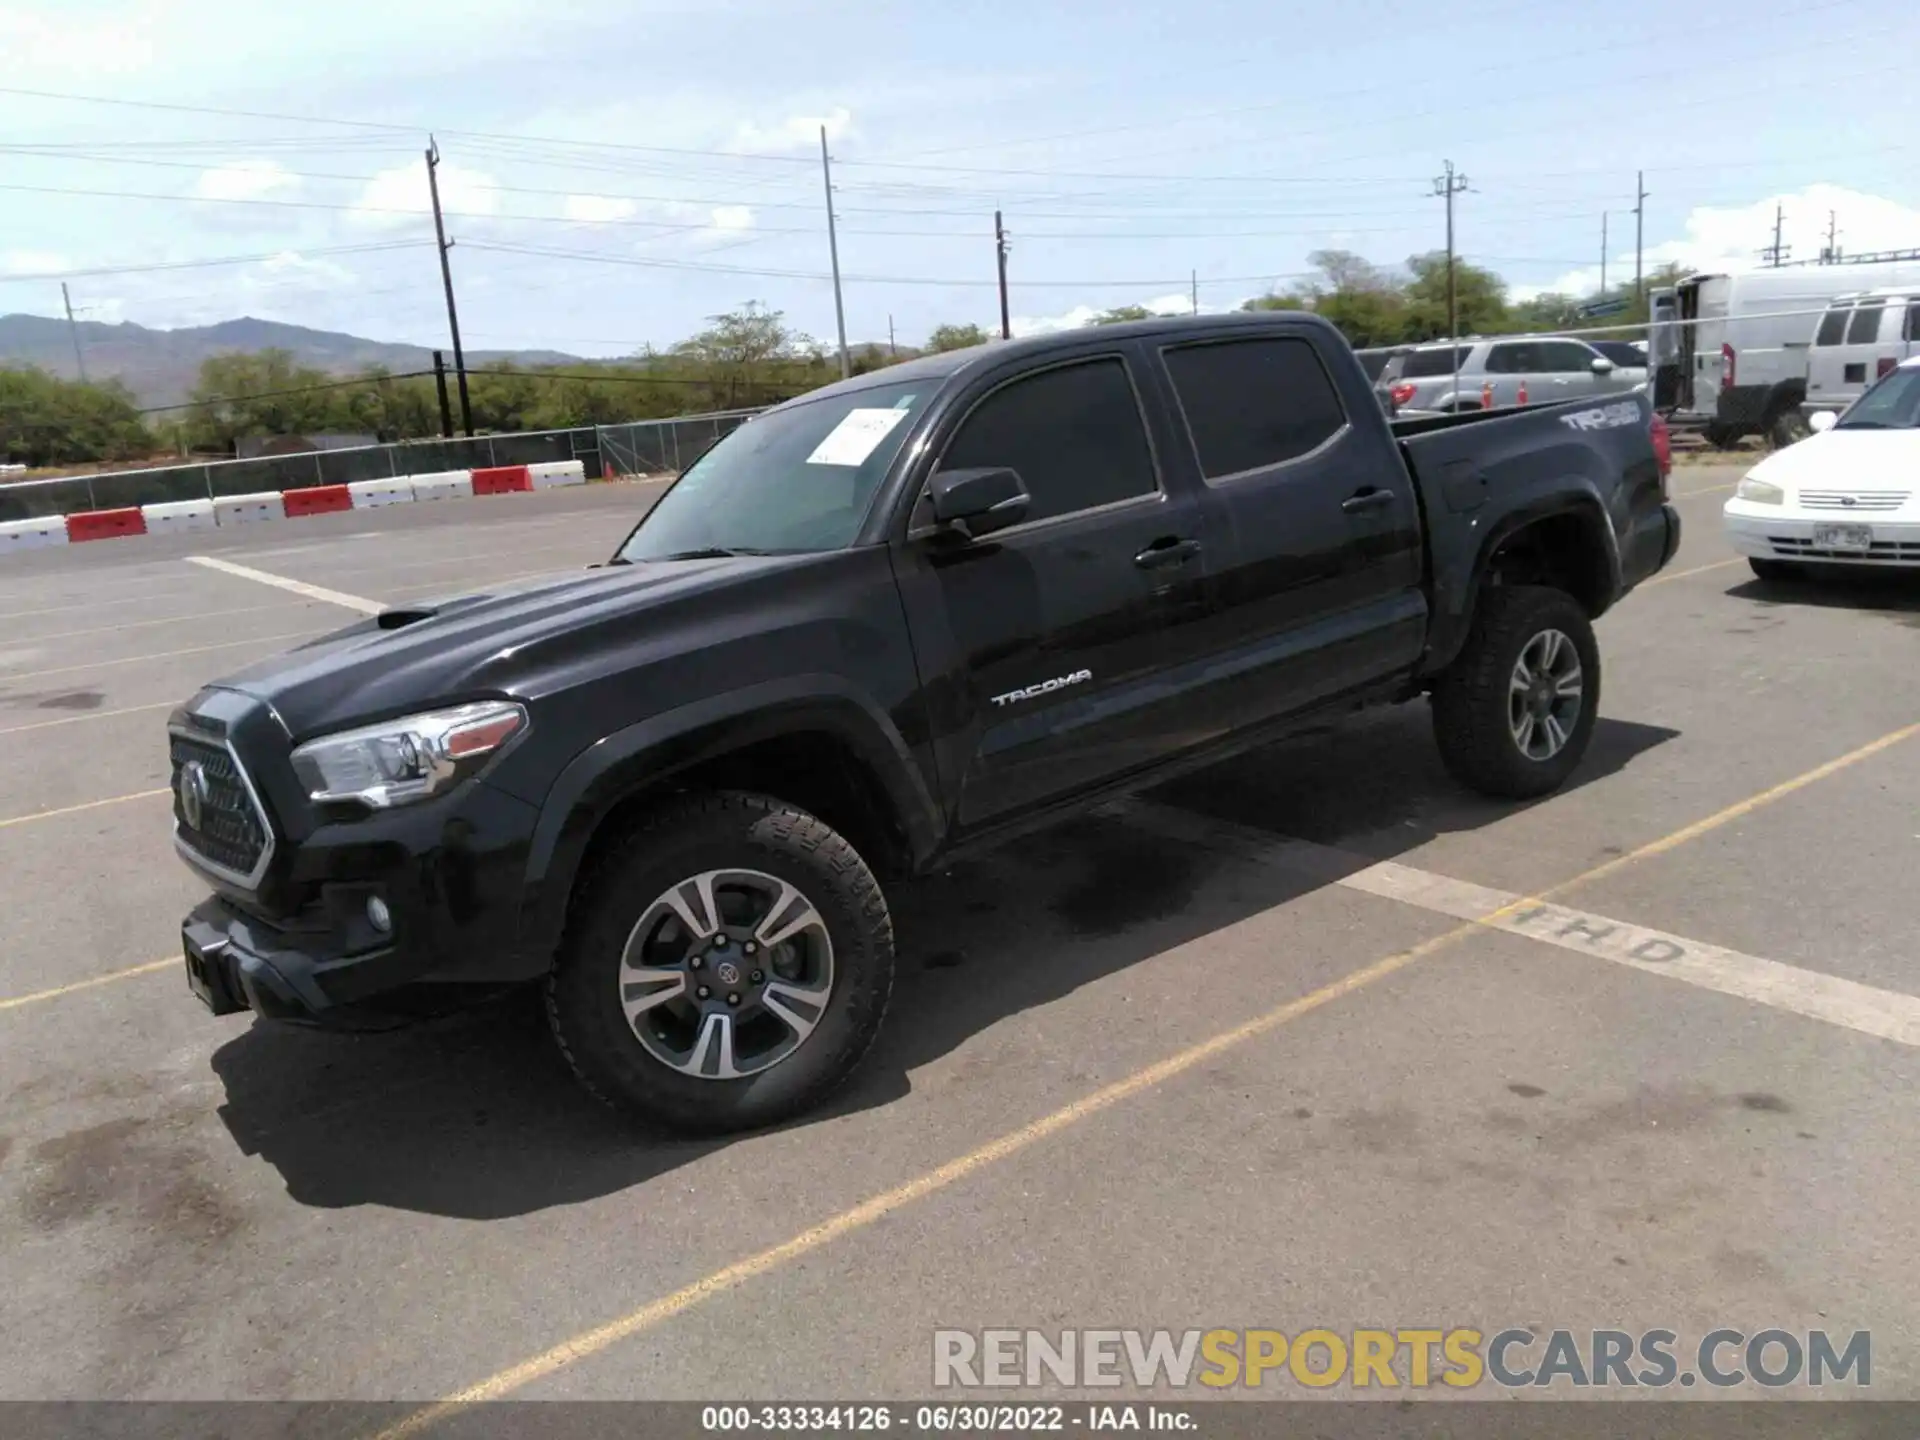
(245, 509)
(178, 515)
(33, 533)
(549, 473)
(372, 494)
(443, 485)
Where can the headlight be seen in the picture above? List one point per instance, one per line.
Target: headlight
(400, 761)
(1760, 492)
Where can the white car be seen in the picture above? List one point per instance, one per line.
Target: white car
(1847, 495)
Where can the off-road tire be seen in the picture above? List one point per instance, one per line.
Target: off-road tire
(1470, 702)
(688, 836)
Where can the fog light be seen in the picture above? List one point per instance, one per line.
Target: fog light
(378, 915)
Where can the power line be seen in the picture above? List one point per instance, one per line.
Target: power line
(161, 265)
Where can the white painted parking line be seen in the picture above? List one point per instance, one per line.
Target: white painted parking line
(282, 582)
(1887, 1014)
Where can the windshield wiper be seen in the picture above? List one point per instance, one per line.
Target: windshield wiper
(712, 552)
(1864, 425)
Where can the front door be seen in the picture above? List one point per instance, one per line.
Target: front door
(1042, 645)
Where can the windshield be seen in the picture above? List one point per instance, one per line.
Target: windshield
(799, 479)
(1893, 404)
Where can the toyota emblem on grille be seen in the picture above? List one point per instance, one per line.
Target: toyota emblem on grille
(192, 790)
(1848, 500)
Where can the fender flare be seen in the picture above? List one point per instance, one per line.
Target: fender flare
(612, 769)
(1454, 602)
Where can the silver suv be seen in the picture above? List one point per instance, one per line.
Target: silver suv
(1544, 367)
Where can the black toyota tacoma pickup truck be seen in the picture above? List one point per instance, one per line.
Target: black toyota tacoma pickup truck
(900, 617)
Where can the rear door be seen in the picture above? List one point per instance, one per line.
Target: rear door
(1568, 368)
(1041, 645)
(1511, 364)
(1316, 572)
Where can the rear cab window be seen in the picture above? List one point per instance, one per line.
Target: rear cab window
(1255, 403)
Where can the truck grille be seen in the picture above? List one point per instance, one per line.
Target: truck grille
(229, 833)
(1854, 500)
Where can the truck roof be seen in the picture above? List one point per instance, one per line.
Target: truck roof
(952, 362)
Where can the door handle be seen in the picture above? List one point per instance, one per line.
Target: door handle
(1167, 551)
(1368, 499)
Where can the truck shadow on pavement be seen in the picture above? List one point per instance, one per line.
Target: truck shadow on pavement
(476, 1116)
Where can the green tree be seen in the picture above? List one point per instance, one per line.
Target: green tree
(263, 393)
(1120, 314)
(1480, 298)
(1274, 302)
(955, 337)
(48, 421)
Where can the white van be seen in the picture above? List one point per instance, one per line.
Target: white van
(1744, 342)
(1860, 339)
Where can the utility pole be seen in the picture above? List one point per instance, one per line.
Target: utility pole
(1000, 251)
(833, 250)
(1639, 236)
(1196, 292)
(73, 328)
(446, 280)
(1603, 254)
(1775, 254)
(892, 346)
(440, 384)
(1831, 255)
(1448, 186)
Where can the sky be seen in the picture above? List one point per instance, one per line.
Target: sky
(615, 173)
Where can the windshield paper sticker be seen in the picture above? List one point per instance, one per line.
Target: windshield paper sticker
(856, 437)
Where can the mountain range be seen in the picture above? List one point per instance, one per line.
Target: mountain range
(160, 366)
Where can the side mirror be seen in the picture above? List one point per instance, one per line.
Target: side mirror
(1822, 421)
(1602, 365)
(981, 501)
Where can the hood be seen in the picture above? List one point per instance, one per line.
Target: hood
(1847, 460)
(510, 640)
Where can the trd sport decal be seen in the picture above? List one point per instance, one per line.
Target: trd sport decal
(1045, 687)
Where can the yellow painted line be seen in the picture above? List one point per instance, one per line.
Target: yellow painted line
(1704, 490)
(90, 715)
(592, 1342)
(59, 990)
(157, 655)
(1697, 570)
(76, 809)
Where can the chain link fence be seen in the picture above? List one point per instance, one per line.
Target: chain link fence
(646, 447)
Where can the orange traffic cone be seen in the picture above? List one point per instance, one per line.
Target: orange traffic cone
(1486, 395)
(1523, 393)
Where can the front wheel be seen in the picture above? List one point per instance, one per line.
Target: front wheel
(1514, 712)
(726, 966)
(1788, 427)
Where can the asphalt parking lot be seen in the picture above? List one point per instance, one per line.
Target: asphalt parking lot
(1283, 1044)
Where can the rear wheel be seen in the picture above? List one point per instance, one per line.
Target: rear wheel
(1787, 427)
(1775, 570)
(728, 966)
(1515, 711)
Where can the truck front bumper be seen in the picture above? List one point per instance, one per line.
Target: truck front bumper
(235, 962)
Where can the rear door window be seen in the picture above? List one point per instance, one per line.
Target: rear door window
(1516, 359)
(1833, 325)
(1250, 404)
(1865, 327)
(1913, 320)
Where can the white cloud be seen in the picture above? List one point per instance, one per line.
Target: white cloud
(393, 195)
(245, 180)
(1731, 238)
(50, 41)
(33, 262)
(796, 132)
(731, 219)
(598, 209)
(1086, 314)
